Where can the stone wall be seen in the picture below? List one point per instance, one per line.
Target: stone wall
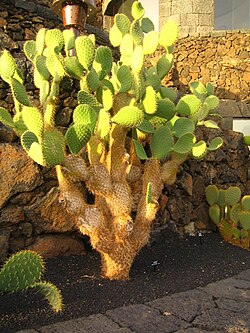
(31, 214)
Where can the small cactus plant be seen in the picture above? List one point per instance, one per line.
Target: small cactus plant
(128, 137)
(23, 270)
(230, 213)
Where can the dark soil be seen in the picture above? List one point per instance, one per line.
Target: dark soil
(184, 263)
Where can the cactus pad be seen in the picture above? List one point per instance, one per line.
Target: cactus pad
(245, 220)
(245, 202)
(54, 39)
(137, 10)
(163, 65)
(199, 150)
(29, 49)
(32, 118)
(233, 195)
(5, 118)
(150, 42)
(86, 98)
(184, 143)
(149, 193)
(123, 23)
(188, 105)
(125, 78)
(182, 126)
(40, 41)
(137, 33)
(212, 194)
(7, 65)
(214, 213)
(161, 142)
(103, 61)
(77, 137)
(168, 34)
(27, 140)
(85, 51)
(149, 101)
(84, 114)
(51, 293)
(212, 102)
(215, 144)
(140, 152)
(103, 125)
(128, 116)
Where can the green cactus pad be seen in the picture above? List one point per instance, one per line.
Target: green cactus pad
(103, 61)
(27, 139)
(20, 126)
(210, 124)
(6, 118)
(169, 93)
(55, 66)
(19, 92)
(85, 114)
(214, 213)
(92, 80)
(245, 202)
(215, 144)
(199, 150)
(137, 10)
(53, 147)
(154, 80)
(51, 293)
(150, 42)
(184, 143)
(164, 64)
(137, 33)
(69, 40)
(245, 220)
(235, 213)
(147, 25)
(233, 195)
(246, 139)
(165, 109)
(103, 125)
(33, 119)
(139, 86)
(137, 59)
(125, 78)
(212, 194)
(40, 64)
(140, 152)
(21, 271)
(235, 233)
(222, 198)
(128, 116)
(54, 39)
(127, 45)
(86, 98)
(44, 91)
(188, 105)
(73, 67)
(182, 126)
(7, 65)
(210, 89)
(244, 234)
(40, 41)
(146, 127)
(149, 101)
(77, 137)
(115, 36)
(161, 142)
(168, 34)
(149, 193)
(29, 49)
(212, 102)
(85, 50)
(198, 89)
(123, 23)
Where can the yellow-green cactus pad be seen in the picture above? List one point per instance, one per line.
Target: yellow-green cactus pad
(77, 136)
(188, 105)
(140, 152)
(92, 80)
(127, 45)
(246, 139)
(168, 34)
(212, 194)
(139, 86)
(115, 36)
(149, 101)
(164, 64)
(137, 33)
(33, 119)
(40, 41)
(222, 198)
(150, 42)
(245, 220)
(69, 40)
(20, 126)
(103, 61)
(212, 102)
(233, 195)
(44, 91)
(137, 10)
(182, 126)
(245, 202)
(40, 65)
(123, 23)
(103, 125)
(199, 150)
(107, 99)
(128, 116)
(55, 66)
(236, 233)
(19, 92)
(53, 147)
(215, 144)
(36, 153)
(210, 124)
(21, 271)
(85, 50)
(6, 118)
(137, 59)
(85, 114)
(86, 98)
(198, 89)
(51, 293)
(184, 143)
(125, 78)
(29, 49)
(7, 65)
(27, 139)
(161, 142)
(215, 213)
(73, 67)
(54, 39)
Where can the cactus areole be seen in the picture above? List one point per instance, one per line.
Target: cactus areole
(128, 135)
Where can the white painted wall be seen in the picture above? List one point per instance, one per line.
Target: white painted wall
(152, 11)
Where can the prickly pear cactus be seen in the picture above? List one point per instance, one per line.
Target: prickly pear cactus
(230, 213)
(23, 270)
(129, 133)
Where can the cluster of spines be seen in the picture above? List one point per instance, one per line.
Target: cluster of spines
(24, 270)
(230, 213)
